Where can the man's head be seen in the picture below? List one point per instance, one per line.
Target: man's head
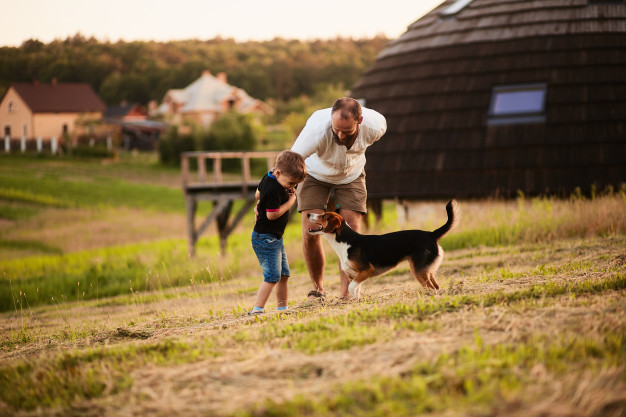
(345, 119)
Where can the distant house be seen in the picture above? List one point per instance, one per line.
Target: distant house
(125, 113)
(206, 99)
(33, 110)
(129, 123)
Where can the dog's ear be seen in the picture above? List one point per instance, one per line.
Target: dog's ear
(334, 221)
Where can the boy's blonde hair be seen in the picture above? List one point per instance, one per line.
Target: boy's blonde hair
(291, 164)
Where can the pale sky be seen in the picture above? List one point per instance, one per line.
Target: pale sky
(242, 20)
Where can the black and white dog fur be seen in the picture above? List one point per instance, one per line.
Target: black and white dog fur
(364, 256)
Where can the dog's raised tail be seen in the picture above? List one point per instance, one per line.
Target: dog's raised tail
(452, 208)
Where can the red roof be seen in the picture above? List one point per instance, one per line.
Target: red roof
(60, 97)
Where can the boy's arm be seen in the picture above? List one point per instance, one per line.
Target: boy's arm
(273, 215)
(257, 195)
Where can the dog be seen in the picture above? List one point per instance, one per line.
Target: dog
(365, 256)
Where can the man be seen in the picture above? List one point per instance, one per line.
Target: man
(333, 142)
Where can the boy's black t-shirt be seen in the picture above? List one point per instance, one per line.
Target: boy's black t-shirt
(272, 196)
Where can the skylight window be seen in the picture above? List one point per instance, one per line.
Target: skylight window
(517, 104)
(456, 7)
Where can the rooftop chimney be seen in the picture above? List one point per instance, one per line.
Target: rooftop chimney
(206, 72)
(222, 77)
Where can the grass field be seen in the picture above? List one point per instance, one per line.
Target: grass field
(103, 314)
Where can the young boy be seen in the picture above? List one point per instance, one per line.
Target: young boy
(276, 195)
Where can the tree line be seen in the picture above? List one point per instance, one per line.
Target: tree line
(278, 69)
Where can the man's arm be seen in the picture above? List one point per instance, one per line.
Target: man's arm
(375, 123)
(309, 138)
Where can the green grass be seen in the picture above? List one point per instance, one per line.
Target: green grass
(366, 326)
(57, 192)
(60, 182)
(89, 373)
(85, 374)
(79, 325)
(469, 379)
(107, 272)
(17, 212)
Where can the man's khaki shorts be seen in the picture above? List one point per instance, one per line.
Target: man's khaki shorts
(313, 194)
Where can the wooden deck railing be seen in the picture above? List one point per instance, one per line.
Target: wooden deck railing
(217, 158)
(222, 194)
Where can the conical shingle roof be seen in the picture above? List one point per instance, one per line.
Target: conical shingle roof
(450, 85)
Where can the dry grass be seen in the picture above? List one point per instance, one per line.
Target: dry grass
(247, 363)
(530, 321)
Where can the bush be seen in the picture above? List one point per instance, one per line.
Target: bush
(231, 132)
(85, 151)
(172, 145)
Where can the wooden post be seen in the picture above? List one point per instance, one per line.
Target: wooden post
(246, 171)
(39, 144)
(217, 169)
(53, 145)
(201, 169)
(184, 165)
(23, 144)
(222, 225)
(191, 227)
(7, 144)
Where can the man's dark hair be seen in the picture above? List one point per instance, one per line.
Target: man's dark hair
(348, 107)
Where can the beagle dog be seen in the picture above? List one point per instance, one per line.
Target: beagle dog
(364, 256)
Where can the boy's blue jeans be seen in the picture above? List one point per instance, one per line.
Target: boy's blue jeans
(272, 256)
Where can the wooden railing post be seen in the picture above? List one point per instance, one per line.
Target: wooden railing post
(217, 169)
(246, 168)
(201, 169)
(184, 164)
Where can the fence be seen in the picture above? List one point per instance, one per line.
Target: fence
(222, 194)
(52, 145)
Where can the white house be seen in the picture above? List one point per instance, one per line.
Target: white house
(206, 99)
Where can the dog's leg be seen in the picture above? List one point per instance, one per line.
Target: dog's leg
(422, 276)
(355, 285)
(355, 289)
(432, 281)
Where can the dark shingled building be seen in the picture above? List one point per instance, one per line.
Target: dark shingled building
(489, 97)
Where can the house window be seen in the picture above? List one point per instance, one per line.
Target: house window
(25, 130)
(12, 107)
(7, 131)
(456, 7)
(517, 104)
